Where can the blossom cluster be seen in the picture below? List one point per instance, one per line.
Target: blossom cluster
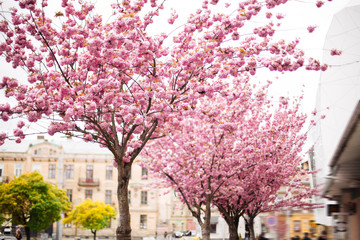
(114, 82)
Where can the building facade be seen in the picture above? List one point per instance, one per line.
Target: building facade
(85, 170)
(337, 136)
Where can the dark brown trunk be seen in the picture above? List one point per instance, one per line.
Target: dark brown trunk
(233, 233)
(205, 227)
(94, 232)
(233, 223)
(27, 231)
(251, 228)
(123, 231)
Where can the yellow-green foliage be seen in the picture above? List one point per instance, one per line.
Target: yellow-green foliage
(30, 201)
(91, 215)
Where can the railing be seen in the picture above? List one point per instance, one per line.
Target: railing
(89, 182)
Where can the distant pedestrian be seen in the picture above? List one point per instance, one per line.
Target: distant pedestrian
(323, 236)
(18, 234)
(306, 236)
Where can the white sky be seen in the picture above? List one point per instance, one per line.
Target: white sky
(298, 16)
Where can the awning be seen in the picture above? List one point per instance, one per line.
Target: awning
(345, 164)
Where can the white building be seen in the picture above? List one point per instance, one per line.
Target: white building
(339, 90)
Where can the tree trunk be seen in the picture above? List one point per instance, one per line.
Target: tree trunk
(123, 231)
(94, 232)
(233, 232)
(251, 228)
(233, 223)
(27, 231)
(205, 232)
(205, 227)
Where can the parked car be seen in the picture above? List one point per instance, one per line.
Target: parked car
(7, 234)
(177, 234)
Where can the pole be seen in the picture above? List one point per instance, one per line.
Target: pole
(60, 185)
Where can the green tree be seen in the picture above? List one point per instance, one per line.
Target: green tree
(30, 201)
(91, 215)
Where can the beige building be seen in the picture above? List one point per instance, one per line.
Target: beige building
(85, 170)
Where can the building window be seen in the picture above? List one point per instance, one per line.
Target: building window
(297, 226)
(144, 197)
(144, 173)
(109, 172)
(89, 174)
(129, 197)
(69, 194)
(88, 194)
(1, 171)
(108, 196)
(52, 152)
(213, 224)
(18, 169)
(69, 171)
(36, 167)
(37, 152)
(143, 221)
(52, 170)
(213, 228)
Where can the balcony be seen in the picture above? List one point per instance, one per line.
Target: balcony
(89, 182)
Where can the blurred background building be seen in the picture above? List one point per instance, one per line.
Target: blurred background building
(337, 137)
(84, 170)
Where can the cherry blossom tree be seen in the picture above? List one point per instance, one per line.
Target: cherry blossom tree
(115, 83)
(236, 153)
(196, 156)
(273, 145)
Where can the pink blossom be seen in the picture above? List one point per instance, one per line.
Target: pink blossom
(311, 28)
(4, 116)
(319, 3)
(335, 52)
(101, 79)
(279, 16)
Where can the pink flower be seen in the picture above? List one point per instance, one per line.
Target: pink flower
(319, 3)
(311, 28)
(279, 16)
(335, 52)
(5, 117)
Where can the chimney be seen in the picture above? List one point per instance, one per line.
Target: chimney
(40, 137)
